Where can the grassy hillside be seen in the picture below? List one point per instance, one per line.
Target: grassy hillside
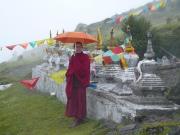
(25, 112)
(170, 14)
(172, 11)
(15, 70)
(168, 37)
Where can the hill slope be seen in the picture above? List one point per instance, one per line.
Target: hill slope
(159, 17)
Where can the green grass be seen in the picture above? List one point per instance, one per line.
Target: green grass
(24, 112)
(165, 125)
(15, 70)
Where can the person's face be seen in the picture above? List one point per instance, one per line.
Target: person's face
(78, 48)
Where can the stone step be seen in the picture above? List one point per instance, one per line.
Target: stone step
(112, 71)
(153, 87)
(148, 83)
(159, 86)
(152, 84)
(152, 81)
(127, 72)
(156, 78)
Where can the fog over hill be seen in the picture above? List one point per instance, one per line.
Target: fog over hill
(159, 17)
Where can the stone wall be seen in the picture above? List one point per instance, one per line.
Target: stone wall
(170, 74)
(47, 85)
(101, 103)
(98, 107)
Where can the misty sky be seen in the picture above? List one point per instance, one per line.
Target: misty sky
(28, 20)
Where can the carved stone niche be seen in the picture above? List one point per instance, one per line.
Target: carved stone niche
(149, 67)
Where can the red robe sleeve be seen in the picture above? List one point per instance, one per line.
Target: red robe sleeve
(69, 79)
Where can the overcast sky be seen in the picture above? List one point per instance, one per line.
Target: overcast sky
(27, 20)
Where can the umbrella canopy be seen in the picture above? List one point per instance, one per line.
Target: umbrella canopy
(73, 37)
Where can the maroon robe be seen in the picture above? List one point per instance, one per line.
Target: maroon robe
(77, 77)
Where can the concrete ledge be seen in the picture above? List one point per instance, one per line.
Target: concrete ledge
(101, 104)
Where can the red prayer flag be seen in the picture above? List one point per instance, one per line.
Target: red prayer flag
(25, 45)
(11, 47)
(117, 50)
(107, 60)
(30, 84)
(119, 19)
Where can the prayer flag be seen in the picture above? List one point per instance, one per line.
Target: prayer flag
(11, 47)
(146, 9)
(119, 19)
(158, 5)
(98, 59)
(33, 44)
(51, 41)
(24, 45)
(107, 60)
(30, 84)
(162, 3)
(59, 76)
(40, 42)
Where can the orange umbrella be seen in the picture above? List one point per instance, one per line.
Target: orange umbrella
(73, 37)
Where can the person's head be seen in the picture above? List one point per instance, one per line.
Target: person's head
(78, 47)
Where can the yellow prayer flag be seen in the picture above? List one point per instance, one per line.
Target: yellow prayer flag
(51, 41)
(59, 76)
(40, 42)
(98, 59)
(162, 3)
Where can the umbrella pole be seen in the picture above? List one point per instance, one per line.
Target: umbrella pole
(74, 49)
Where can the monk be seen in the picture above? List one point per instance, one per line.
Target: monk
(77, 79)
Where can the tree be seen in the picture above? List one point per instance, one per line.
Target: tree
(167, 38)
(139, 28)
